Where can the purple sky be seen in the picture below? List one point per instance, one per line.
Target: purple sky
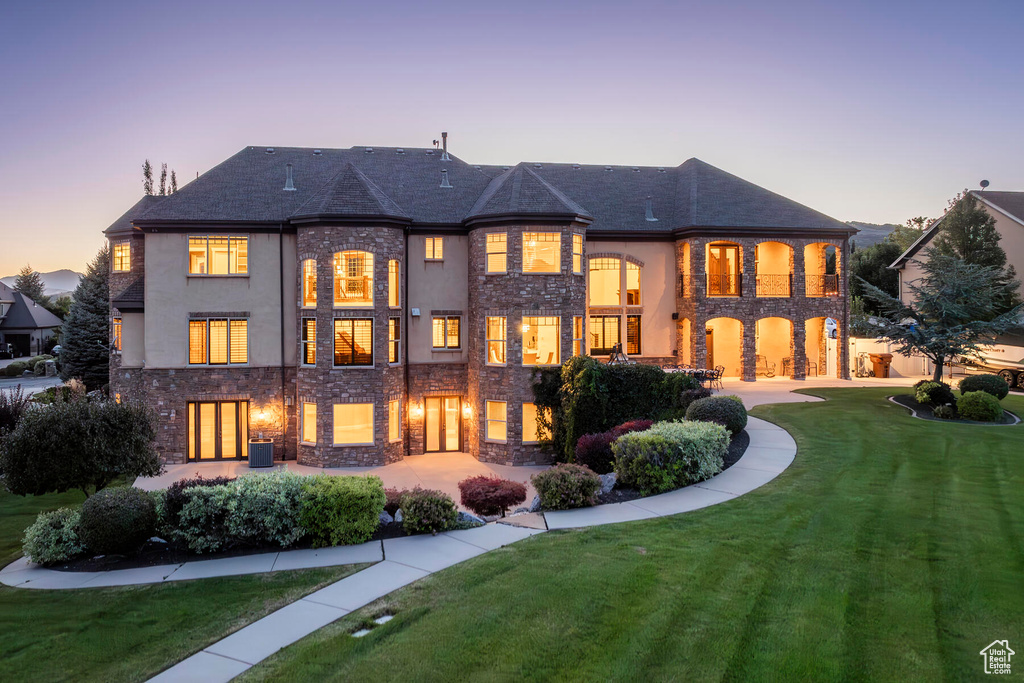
(873, 111)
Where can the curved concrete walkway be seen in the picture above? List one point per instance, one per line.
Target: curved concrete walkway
(400, 561)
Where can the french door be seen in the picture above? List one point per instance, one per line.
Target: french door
(217, 430)
(723, 270)
(443, 423)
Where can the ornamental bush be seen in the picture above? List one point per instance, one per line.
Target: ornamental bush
(54, 537)
(979, 406)
(202, 521)
(670, 455)
(934, 393)
(265, 509)
(945, 412)
(727, 411)
(16, 369)
(13, 404)
(117, 520)
(341, 510)
(595, 450)
(393, 500)
(175, 496)
(990, 384)
(566, 486)
(428, 511)
(691, 395)
(491, 495)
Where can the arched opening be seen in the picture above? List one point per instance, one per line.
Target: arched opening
(685, 352)
(723, 269)
(821, 268)
(685, 269)
(724, 343)
(353, 279)
(773, 265)
(773, 347)
(821, 344)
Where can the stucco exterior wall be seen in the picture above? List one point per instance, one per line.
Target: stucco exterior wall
(436, 286)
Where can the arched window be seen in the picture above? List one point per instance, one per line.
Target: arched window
(605, 281)
(353, 279)
(309, 282)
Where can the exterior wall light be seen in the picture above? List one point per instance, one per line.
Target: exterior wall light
(467, 411)
(416, 410)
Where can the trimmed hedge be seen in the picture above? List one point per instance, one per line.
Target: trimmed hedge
(934, 393)
(428, 511)
(566, 486)
(341, 510)
(595, 450)
(203, 519)
(990, 384)
(54, 537)
(491, 495)
(727, 411)
(265, 509)
(979, 406)
(117, 520)
(174, 498)
(670, 455)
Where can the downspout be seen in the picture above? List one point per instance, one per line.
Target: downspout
(405, 337)
(284, 400)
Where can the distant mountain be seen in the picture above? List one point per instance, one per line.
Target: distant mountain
(55, 283)
(870, 233)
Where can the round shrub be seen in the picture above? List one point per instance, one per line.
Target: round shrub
(979, 406)
(341, 510)
(491, 495)
(39, 369)
(990, 384)
(566, 486)
(117, 520)
(691, 395)
(265, 509)
(670, 455)
(934, 393)
(428, 511)
(393, 500)
(724, 410)
(16, 369)
(175, 497)
(54, 537)
(595, 450)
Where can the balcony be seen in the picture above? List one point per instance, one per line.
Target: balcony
(822, 285)
(724, 284)
(768, 285)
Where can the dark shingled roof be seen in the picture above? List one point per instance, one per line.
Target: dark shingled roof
(1011, 203)
(123, 225)
(133, 298)
(406, 183)
(25, 313)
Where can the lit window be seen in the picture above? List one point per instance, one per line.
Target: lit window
(632, 284)
(540, 341)
(496, 340)
(532, 432)
(435, 248)
(394, 299)
(578, 348)
(497, 252)
(218, 341)
(353, 279)
(309, 282)
(218, 255)
(605, 274)
(542, 252)
(604, 333)
(309, 422)
(633, 335)
(496, 413)
(394, 340)
(394, 420)
(309, 341)
(116, 329)
(122, 257)
(353, 424)
(577, 254)
(353, 341)
(446, 332)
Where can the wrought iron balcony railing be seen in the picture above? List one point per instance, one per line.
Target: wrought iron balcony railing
(774, 285)
(822, 285)
(685, 285)
(726, 284)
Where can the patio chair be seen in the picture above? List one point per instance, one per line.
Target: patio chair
(716, 378)
(763, 367)
(811, 365)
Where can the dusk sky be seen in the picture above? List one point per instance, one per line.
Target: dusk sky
(870, 111)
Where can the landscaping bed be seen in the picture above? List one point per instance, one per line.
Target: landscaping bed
(925, 411)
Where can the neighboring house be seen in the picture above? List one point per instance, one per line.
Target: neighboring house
(24, 324)
(360, 305)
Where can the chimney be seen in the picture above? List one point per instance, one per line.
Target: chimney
(444, 178)
(289, 186)
(444, 147)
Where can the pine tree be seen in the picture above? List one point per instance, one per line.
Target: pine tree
(174, 182)
(85, 352)
(163, 179)
(147, 177)
(30, 283)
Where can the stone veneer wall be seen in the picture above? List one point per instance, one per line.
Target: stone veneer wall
(514, 294)
(749, 308)
(117, 283)
(434, 379)
(327, 385)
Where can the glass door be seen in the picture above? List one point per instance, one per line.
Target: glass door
(443, 423)
(217, 430)
(723, 270)
(452, 422)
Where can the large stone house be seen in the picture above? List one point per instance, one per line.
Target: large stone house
(360, 305)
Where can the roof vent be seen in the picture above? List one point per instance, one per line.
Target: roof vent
(636, 169)
(399, 151)
(538, 165)
(444, 143)
(575, 167)
(650, 211)
(369, 150)
(444, 178)
(505, 168)
(661, 169)
(270, 150)
(430, 152)
(317, 152)
(477, 167)
(289, 186)
(607, 168)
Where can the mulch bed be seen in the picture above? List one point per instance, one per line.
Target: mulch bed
(737, 447)
(926, 412)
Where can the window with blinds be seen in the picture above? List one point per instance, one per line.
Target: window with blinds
(353, 342)
(633, 335)
(218, 341)
(309, 341)
(394, 340)
(434, 248)
(122, 257)
(115, 326)
(219, 255)
(497, 252)
(446, 333)
(604, 333)
(577, 254)
(497, 335)
(394, 297)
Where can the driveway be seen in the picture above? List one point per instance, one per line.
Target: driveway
(30, 385)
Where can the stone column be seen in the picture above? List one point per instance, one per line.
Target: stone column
(749, 284)
(749, 366)
(799, 350)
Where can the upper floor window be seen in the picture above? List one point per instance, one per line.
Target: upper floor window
(122, 257)
(604, 333)
(447, 332)
(632, 284)
(435, 248)
(309, 282)
(605, 281)
(353, 279)
(394, 340)
(218, 255)
(116, 330)
(723, 269)
(577, 254)
(218, 341)
(542, 252)
(496, 340)
(353, 342)
(309, 341)
(540, 340)
(394, 298)
(497, 252)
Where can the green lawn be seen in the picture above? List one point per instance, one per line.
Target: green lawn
(891, 549)
(124, 634)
